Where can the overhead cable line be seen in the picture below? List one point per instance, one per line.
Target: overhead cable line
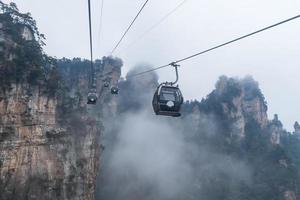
(101, 23)
(216, 47)
(157, 24)
(91, 46)
(135, 18)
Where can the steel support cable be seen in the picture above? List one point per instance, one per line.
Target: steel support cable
(156, 24)
(100, 24)
(216, 47)
(124, 34)
(93, 86)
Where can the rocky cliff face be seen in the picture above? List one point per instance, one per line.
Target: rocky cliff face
(236, 102)
(239, 111)
(49, 138)
(297, 129)
(276, 129)
(50, 146)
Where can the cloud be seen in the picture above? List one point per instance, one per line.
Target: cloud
(155, 157)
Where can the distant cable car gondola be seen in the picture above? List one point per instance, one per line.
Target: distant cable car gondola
(92, 97)
(106, 84)
(167, 99)
(114, 90)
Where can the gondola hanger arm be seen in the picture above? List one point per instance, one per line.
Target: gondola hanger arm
(175, 65)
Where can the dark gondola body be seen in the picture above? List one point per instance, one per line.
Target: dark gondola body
(92, 97)
(167, 101)
(106, 84)
(114, 90)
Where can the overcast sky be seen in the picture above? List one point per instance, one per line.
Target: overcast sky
(272, 57)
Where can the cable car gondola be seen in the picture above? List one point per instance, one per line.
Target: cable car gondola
(92, 97)
(106, 84)
(167, 99)
(114, 90)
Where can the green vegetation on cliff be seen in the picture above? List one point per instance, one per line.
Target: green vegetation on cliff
(22, 57)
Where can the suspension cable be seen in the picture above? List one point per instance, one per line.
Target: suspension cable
(135, 18)
(93, 86)
(101, 23)
(156, 24)
(216, 47)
